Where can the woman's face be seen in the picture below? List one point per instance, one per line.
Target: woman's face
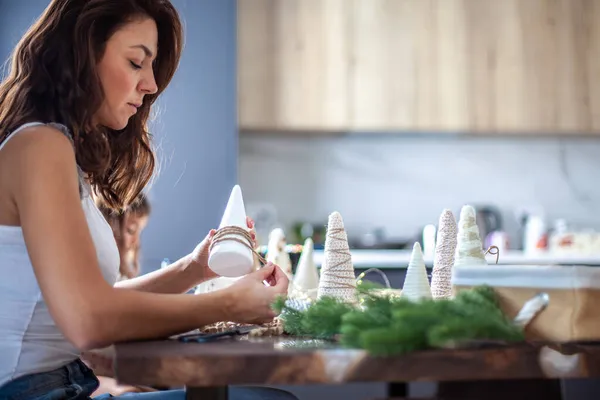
(126, 72)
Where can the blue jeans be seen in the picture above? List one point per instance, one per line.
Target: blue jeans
(75, 381)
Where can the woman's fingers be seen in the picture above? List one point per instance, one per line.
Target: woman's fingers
(281, 280)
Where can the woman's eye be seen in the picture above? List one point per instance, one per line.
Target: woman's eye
(135, 66)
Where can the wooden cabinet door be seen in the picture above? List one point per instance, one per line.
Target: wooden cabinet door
(293, 64)
(407, 73)
(532, 64)
(508, 66)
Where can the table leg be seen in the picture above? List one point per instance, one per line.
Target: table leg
(397, 389)
(518, 389)
(206, 393)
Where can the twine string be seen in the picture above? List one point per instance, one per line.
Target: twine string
(495, 251)
(236, 234)
(380, 272)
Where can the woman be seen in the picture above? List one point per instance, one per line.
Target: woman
(73, 114)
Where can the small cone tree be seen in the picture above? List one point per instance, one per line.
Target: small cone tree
(337, 274)
(416, 284)
(469, 250)
(306, 278)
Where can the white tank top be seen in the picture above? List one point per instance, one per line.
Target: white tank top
(30, 341)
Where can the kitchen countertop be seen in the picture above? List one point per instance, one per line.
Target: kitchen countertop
(399, 259)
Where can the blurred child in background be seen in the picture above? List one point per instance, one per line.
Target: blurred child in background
(127, 228)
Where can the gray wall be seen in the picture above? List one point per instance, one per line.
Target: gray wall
(408, 179)
(195, 129)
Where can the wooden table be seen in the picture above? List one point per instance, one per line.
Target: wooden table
(205, 369)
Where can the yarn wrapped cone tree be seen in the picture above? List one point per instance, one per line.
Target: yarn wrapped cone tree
(416, 284)
(337, 273)
(469, 249)
(441, 276)
(306, 278)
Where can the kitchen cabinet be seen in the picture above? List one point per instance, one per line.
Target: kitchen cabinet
(509, 66)
(292, 64)
(409, 66)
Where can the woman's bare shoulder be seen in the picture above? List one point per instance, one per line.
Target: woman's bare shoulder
(34, 149)
(36, 139)
(34, 155)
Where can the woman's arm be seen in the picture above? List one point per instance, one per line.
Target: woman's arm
(178, 277)
(88, 310)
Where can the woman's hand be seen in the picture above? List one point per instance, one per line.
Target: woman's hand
(251, 299)
(199, 257)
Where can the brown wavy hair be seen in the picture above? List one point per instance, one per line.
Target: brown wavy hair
(53, 78)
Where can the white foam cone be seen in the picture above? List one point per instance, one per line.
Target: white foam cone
(230, 258)
(441, 276)
(276, 244)
(285, 263)
(276, 252)
(416, 284)
(469, 250)
(337, 274)
(306, 278)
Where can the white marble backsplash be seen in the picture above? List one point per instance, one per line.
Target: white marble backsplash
(402, 182)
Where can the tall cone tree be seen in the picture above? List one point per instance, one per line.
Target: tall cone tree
(445, 248)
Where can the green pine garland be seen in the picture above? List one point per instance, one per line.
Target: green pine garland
(387, 325)
(322, 320)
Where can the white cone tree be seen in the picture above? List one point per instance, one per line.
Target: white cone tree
(276, 252)
(306, 278)
(416, 284)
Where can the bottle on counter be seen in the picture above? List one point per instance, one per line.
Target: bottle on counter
(429, 236)
(535, 235)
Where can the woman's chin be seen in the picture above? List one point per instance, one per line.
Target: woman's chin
(117, 125)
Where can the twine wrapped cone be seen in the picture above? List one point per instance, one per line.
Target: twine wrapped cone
(306, 278)
(232, 255)
(337, 273)
(441, 276)
(469, 250)
(416, 284)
